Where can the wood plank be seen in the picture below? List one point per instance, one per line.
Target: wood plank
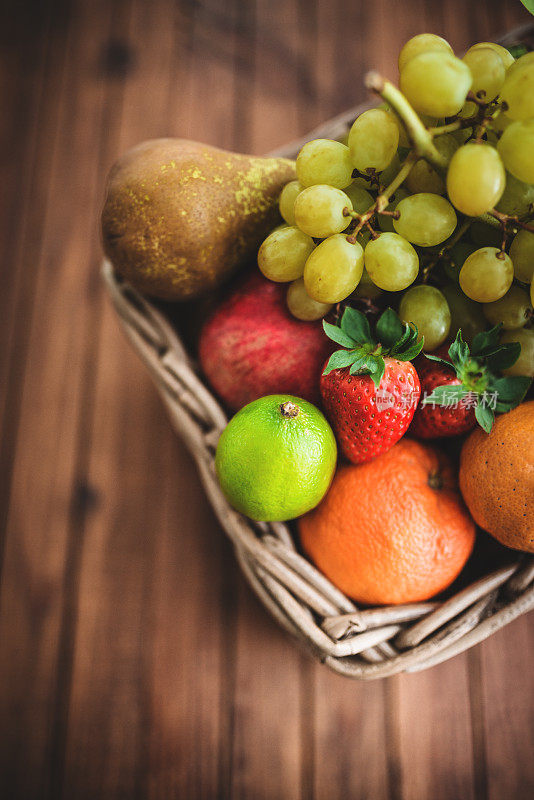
(274, 109)
(30, 67)
(508, 709)
(23, 62)
(148, 715)
(431, 725)
(350, 739)
(40, 511)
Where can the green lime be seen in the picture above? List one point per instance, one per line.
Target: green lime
(276, 458)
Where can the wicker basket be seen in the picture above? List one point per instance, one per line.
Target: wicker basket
(359, 643)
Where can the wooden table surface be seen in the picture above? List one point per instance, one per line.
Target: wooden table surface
(134, 660)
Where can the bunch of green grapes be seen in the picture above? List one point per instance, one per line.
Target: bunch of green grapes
(426, 205)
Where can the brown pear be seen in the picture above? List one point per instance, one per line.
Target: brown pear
(180, 217)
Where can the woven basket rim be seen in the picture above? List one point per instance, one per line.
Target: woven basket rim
(365, 643)
(362, 643)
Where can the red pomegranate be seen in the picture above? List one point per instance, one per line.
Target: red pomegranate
(251, 346)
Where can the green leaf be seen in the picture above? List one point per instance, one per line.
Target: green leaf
(389, 328)
(337, 335)
(438, 359)
(485, 341)
(445, 395)
(459, 350)
(411, 352)
(340, 359)
(361, 364)
(529, 5)
(377, 371)
(356, 325)
(484, 416)
(509, 391)
(506, 355)
(407, 335)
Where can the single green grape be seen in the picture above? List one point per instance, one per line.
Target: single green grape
(360, 198)
(488, 72)
(519, 63)
(286, 202)
(518, 92)
(525, 363)
(516, 148)
(475, 179)
(302, 306)
(391, 261)
(385, 222)
(425, 219)
(283, 254)
(422, 43)
(324, 161)
(319, 211)
(334, 269)
(436, 83)
(517, 198)
(373, 140)
(366, 287)
(522, 255)
(512, 311)
(506, 56)
(486, 275)
(466, 315)
(427, 308)
(423, 177)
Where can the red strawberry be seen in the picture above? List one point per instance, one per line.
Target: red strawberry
(459, 387)
(370, 396)
(431, 420)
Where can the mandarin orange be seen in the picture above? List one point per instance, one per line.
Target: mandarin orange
(497, 477)
(393, 530)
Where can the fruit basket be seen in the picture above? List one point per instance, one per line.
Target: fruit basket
(363, 643)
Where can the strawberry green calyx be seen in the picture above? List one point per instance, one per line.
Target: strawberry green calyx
(365, 353)
(475, 368)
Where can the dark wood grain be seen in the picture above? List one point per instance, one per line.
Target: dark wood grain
(134, 660)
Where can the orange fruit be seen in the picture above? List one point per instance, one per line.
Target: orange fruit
(497, 477)
(393, 530)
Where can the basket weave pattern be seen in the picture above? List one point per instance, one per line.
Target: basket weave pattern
(365, 644)
(370, 643)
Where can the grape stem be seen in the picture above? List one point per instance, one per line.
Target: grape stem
(439, 130)
(477, 100)
(506, 219)
(382, 201)
(419, 136)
